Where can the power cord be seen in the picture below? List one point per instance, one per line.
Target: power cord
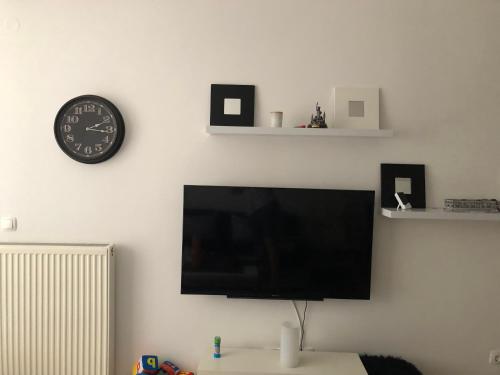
(294, 303)
(303, 326)
(301, 322)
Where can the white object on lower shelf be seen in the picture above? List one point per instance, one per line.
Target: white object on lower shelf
(267, 362)
(329, 132)
(439, 214)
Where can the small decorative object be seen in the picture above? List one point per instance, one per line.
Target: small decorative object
(217, 342)
(403, 178)
(276, 119)
(289, 348)
(169, 368)
(89, 129)
(479, 205)
(232, 105)
(356, 108)
(146, 365)
(403, 203)
(318, 120)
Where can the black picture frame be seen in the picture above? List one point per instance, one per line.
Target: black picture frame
(219, 92)
(388, 175)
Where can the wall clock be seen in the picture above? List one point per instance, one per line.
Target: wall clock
(89, 129)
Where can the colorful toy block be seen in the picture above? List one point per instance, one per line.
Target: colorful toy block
(146, 365)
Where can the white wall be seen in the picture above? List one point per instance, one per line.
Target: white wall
(435, 285)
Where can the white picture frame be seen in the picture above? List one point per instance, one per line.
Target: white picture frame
(356, 107)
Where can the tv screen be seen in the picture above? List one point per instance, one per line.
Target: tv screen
(282, 243)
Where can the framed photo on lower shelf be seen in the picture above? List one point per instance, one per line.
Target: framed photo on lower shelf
(405, 178)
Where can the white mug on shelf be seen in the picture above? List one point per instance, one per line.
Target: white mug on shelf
(276, 119)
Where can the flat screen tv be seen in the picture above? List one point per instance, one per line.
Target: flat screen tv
(280, 243)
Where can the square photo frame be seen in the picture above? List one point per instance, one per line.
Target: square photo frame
(356, 107)
(404, 178)
(232, 105)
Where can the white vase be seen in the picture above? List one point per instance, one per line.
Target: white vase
(276, 119)
(289, 348)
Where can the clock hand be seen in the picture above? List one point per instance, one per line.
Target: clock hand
(95, 126)
(98, 130)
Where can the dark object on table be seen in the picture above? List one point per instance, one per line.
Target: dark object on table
(232, 105)
(477, 205)
(404, 178)
(318, 121)
(380, 365)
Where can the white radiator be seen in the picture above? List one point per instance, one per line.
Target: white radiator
(56, 309)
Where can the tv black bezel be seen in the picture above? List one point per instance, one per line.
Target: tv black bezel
(297, 297)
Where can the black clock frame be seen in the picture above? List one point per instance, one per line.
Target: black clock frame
(120, 129)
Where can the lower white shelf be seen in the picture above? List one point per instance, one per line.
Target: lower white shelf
(329, 132)
(267, 362)
(439, 214)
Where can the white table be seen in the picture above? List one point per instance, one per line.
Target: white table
(267, 362)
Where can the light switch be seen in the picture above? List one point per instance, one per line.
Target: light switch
(8, 224)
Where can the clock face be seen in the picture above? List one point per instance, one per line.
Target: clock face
(89, 129)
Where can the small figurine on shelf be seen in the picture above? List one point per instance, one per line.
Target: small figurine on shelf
(318, 121)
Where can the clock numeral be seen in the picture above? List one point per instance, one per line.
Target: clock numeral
(110, 129)
(106, 119)
(78, 110)
(78, 146)
(67, 128)
(106, 139)
(72, 119)
(88, 150)
(99, 111)
(98, 147)
(70, 138)
(89, 108)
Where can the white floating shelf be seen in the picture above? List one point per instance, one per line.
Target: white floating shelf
(439, 214)
(329, 132)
